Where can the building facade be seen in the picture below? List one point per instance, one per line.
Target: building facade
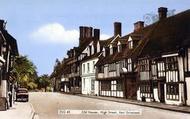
(163, 60)
(8, 51)
(149, 64)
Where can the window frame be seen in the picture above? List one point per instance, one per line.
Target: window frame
(172, 91)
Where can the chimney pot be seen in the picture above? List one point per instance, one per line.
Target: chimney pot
(2, 23)
(117, 28)
(138, 25)
(97, 34)
(162, 11)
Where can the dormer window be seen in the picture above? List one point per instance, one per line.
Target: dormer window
(98, 47)
(111, 50)
(119, 47)
(92, 50)
(130, 43)
(104, 52)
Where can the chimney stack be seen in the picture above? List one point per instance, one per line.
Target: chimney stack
(81, 28)
(97, 34)
(88, 32)
(85, 33)
(117, 28)
(138, 25)
(2, 23)
(162, 12)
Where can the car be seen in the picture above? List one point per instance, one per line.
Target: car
(22, 94)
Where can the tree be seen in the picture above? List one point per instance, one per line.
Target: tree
(43, 82)
(57, 74)
(25, 72)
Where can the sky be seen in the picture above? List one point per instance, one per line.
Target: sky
(46, 29)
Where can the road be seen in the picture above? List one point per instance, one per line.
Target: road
(47, 105)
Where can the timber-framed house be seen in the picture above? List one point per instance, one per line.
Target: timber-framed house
(163, 60)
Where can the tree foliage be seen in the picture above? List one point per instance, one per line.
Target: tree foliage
(25, 72)
(57, 72)
(43, 81)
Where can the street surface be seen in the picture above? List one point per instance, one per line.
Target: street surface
(20, 110)
(46, 105)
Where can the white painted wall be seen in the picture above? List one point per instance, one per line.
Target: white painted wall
(88, 76)
(96, 87)
(188, 59)
(138, 94)
(86, 85)
(3, 88)
(98, 46)
(106, 70)
(181, 71)
(188, 90)
(156, 97)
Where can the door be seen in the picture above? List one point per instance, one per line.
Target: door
(131, 88)
(161, 92)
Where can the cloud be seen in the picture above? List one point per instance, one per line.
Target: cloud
(55, 33)
(104, 36)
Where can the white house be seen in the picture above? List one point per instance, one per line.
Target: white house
(89, 58)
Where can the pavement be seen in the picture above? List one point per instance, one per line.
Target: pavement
(176, 108)
(20, 110)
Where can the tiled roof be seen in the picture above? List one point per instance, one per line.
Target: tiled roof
(166, 35)
(12, 41)
(90, 57)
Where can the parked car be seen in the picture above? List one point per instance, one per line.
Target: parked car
(22, 94)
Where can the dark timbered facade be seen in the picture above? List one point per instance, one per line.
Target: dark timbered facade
(163, 60)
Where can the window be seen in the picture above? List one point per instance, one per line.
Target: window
(105, 85)
(161, 69)
(131, 44)
(111, 51)
(122, 64)
(119, 85)
(93, 66)
(98, 47)
(144, 65)
(92, 51)
(92, 84)
(112, 67)
(171, 63)
(119, 48)
(114, 50)
(144, 69)
(88, 67)
(154, 70)
(104, 52)
(172, 91)
(83, 68)
(129, 65)
(84, 83)
(113, 85)
(101, 69)
(172, 74)
(146, 90)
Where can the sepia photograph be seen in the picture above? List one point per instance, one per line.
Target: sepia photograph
(94, 59)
